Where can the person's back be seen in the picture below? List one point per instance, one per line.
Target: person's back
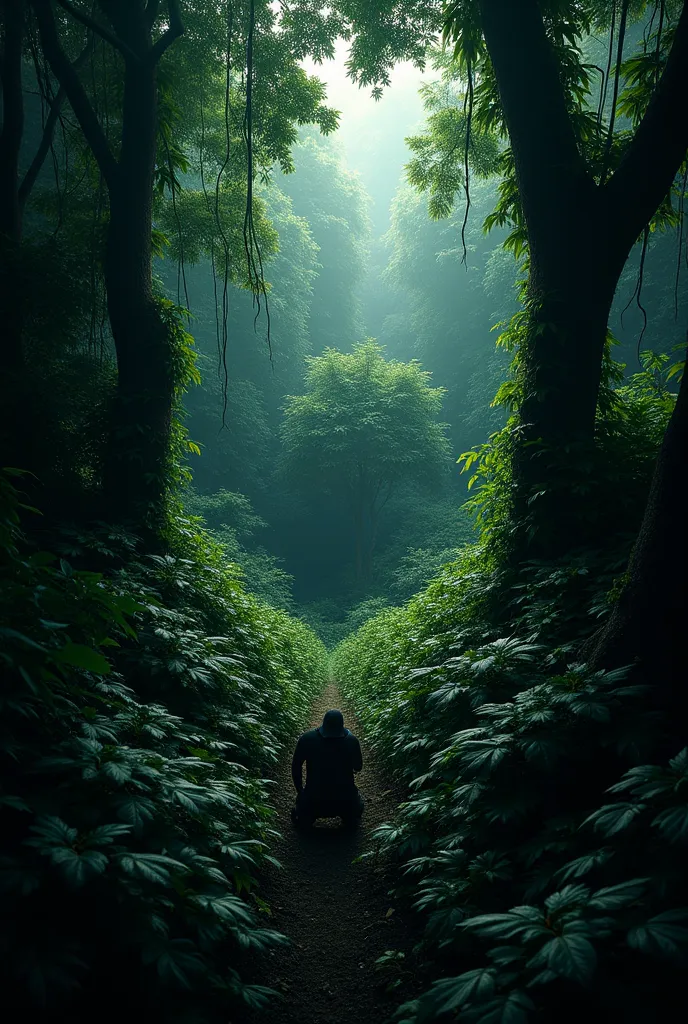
(332, 755)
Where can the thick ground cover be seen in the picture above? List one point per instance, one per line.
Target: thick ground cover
(143, 705)
(542, 838)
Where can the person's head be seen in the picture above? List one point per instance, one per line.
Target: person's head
(333, 724)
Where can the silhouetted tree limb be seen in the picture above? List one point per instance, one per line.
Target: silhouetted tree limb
(13, 117)
(658, 146)
(174, 31)
(29, 179)
(99, 30)
(67, 76)
(151, 13)
(534, 102)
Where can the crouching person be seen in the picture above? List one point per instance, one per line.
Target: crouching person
(332, 755)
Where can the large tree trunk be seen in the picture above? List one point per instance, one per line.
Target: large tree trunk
(647, 625)
(16, 408)
(570, 297)
(11, 290)
(137, 463)
(571, 284)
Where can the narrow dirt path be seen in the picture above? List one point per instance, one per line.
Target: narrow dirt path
(338, 915)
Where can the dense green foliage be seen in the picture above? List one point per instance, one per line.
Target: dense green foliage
(142, 707)
(232, 481)
(445, 312)
(526, 872)
(544, 827)
(232, 521)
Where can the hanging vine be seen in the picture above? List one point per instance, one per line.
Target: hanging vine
(660, 28)
(224, 319)
(49, 109)
(174, 187)
(617, 79)
(209, 206)
(254, 258)
(639, 289)
(468, 110)
(606, 75)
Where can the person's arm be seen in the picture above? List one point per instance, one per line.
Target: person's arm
(356, 755)
(297, 765)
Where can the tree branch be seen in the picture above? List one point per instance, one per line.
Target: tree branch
(12, 119)
(152, 8)
(53, 117)
(66, 75)
(100, 30)
(174, 30)
(11, 78)
(530, 87)
(617, 80)
(550, 170)
(658, 148)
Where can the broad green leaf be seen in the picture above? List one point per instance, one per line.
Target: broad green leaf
(582, 865)
(613, 897)
(78, 867)
(663, 935)
(153, 867)
(80, 656)
(568, 956)
(613, 818)
(673, 823)
(136, 809)
(104, 835)
(17, 803)
(451, 993)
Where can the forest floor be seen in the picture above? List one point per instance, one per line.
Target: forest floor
(339, 915)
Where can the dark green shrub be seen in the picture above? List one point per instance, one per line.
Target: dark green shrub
(139, 710)
(543, 837)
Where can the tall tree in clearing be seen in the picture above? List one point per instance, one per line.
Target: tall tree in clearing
(364, 427)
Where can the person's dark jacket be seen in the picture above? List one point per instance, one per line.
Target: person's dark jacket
(330, 765)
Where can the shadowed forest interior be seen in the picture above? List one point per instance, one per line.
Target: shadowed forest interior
(343, 355)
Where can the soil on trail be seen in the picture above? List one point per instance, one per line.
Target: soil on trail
(338, 915)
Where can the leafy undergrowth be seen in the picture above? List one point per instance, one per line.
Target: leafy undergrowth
(540, 839)
(141, 707)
